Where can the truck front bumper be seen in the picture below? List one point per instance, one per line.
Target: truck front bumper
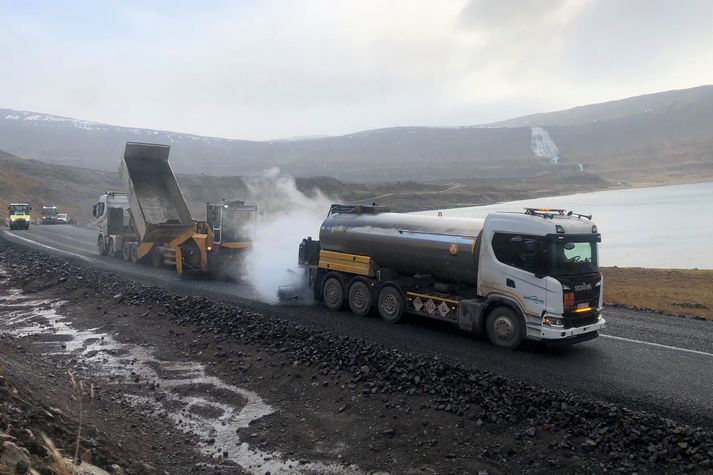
(576, 334)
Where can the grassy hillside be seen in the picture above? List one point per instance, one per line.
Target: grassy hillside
(662, 137)
(75, 190)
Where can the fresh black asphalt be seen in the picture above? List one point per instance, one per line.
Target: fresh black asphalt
(669, 381)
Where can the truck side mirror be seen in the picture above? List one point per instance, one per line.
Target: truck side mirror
(94, 211)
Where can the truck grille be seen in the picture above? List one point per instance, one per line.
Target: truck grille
(586, 294)
(574, 320)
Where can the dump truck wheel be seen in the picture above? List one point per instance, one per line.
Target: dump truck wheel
(359, 298)
(156, 258)
(391, 304)
(134, 253)
(112, 247)
(101, 246)
(126, 251)
(503, 328)
(333, 293)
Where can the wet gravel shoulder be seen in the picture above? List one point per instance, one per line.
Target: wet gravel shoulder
(343, 399)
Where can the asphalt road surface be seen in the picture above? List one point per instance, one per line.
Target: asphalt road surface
(642, 360)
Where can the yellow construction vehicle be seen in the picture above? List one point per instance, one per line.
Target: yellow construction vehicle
(151, 221)
(19, 216)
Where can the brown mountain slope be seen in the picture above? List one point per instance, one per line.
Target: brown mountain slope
(664, 136)
(74, 190)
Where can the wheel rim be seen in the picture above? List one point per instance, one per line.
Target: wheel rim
(503, 328)
(358, 298)
(389, 304)
(332, 293)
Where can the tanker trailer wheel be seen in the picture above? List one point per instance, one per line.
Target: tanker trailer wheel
(333, 293)
(391, 304)
(359, 298)
(101, 246)
(503, 328)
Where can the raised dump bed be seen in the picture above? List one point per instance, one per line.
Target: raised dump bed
(158, 208)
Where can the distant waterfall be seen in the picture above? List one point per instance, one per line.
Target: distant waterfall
(543, 146)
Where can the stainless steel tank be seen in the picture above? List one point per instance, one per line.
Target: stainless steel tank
(409, 244)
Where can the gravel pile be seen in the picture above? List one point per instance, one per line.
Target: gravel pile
(622, 439)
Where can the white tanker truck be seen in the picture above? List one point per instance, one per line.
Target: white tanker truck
(511, 276)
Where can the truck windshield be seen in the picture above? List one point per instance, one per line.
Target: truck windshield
(571, 256)
(19, 209)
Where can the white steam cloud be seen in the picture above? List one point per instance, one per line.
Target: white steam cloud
(287, 216)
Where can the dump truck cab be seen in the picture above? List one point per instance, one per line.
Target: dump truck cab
(19, 216)
(113, 222)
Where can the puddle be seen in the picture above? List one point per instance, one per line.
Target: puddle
(197, 403)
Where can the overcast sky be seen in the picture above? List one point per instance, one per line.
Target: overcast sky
(275, 69)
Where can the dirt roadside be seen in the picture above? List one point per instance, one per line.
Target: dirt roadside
(684, 292)
(191, 385)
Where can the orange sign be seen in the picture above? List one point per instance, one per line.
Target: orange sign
(454, 249)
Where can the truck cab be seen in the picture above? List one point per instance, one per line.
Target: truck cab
(544, 264)
(112, 213)
(49, 215)
(232, 223)
(19, 214)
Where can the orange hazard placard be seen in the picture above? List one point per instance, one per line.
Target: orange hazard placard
(454, 249)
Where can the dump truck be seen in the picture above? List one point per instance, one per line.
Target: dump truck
(19, 216)
(151, 221)
(511, 276)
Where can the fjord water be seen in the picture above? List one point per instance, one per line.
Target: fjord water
(660, 227)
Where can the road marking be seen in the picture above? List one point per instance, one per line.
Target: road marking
(62, 251)
(658, 345)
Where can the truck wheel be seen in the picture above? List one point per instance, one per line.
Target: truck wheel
(156, 258)
(391, 304)
(333, 293)
(503, 328)
(101, 246)
(134, 253)
(126, 251)
(359, 298)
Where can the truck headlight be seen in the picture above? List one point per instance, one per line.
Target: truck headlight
(553, 321)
